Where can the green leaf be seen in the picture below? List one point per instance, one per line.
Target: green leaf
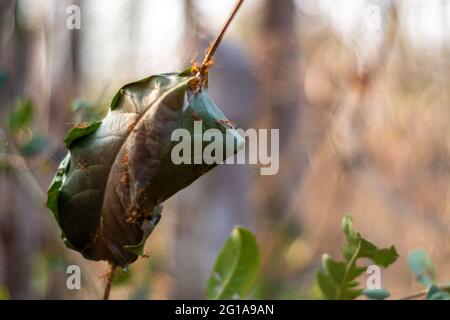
(326, 283)
(376, 294)
(3, 78)
(55, 261)
(122, 276)
(148, 226)
(421, 267)
(336, 269)
(4, 293)
(81, 105)
(39, 274)
(35, 145)
(141, 89)
(236, 267)
(186, 73)
(349, 294)
(55, 187)
(381, 257)
(81, 130)
(121, 168)
(446, 288)
(436, 293)
(20, 116)
(337, 279)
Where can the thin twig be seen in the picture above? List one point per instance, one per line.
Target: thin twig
(109, 280)
(213, 47)
(415, 295)
(422, 293)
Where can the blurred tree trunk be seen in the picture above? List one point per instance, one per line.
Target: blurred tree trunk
(16, 231)
(13, 51)
(64, 46)
(50, 80)
(281, 103)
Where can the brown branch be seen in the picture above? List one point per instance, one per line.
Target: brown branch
(109, 279)
(215, 44)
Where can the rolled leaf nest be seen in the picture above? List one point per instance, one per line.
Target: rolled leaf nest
(107, 192)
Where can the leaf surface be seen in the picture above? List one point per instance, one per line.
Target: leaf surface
(236, 267)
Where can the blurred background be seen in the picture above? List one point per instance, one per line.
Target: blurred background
(358, 89)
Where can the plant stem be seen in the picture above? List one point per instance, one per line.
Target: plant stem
(424, 292)
(213, 47)
(347, 269)
(109, 280)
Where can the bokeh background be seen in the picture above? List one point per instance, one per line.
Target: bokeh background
(359, 90)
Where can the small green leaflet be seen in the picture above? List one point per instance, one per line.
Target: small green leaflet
(436, 293)
(122, 276)
(35, 145)
(421, 267)
(4, 293)
(79, 131)
(236, 267)
(20, 119)
(55, 186)
(423, 270)
(148, 226)
(337, 279)
(20, 116)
